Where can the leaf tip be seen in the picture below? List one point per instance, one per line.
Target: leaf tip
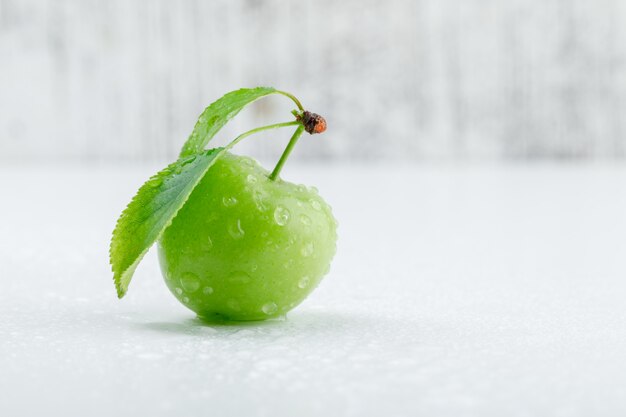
(121, 291)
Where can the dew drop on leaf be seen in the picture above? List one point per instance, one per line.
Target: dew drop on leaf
(188, 160)
(155, 182)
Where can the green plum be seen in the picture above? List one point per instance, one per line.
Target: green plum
(235, 242)
(246, 247)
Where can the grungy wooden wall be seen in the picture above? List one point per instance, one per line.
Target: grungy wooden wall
(124, 80)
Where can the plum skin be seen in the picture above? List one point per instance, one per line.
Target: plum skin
(245, 247)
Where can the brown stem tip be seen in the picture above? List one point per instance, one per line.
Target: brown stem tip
(312, 122)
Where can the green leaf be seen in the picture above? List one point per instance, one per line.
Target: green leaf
(151, 211)
(214, 117)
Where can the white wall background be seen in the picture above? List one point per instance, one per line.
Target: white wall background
(124, 80)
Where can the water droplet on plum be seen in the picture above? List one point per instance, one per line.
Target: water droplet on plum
(269, 308)
(229, 201)
(259, 201)
(247, 161)
(189, 281)
(251, 179)
(179, 291)
(305, 220)
(307, 250)
(235, 229)
(281, 215)
(316, 205)
(239, 277)
(303, 282)
(207, 290)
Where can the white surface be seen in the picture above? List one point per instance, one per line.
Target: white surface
(455, 292)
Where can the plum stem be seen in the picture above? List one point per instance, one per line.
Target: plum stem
(292, 97)
(260, 129)
(287, 151)
(305, 120)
